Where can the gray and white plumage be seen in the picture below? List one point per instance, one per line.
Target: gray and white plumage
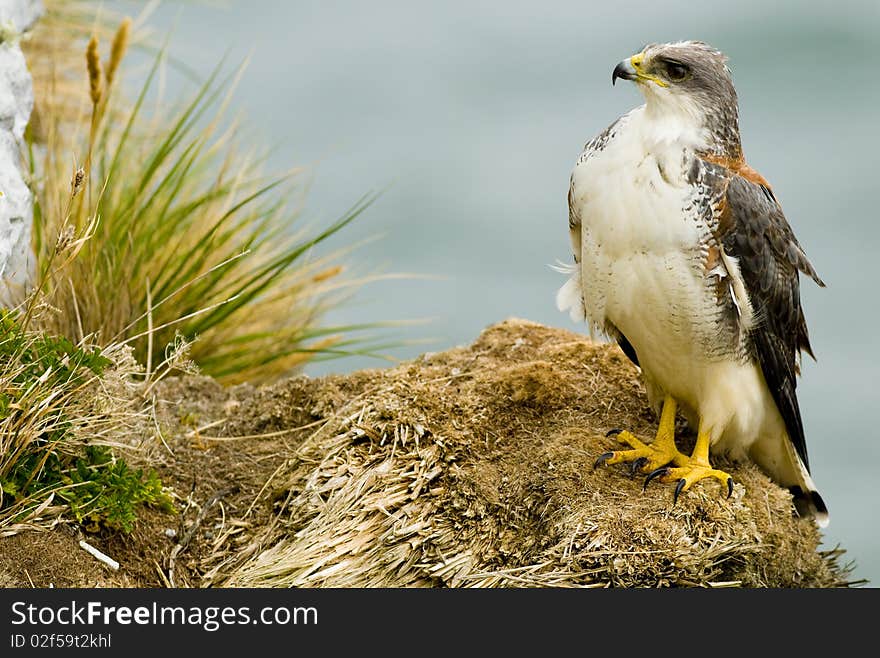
(683, 254)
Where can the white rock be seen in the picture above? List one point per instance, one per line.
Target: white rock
(16, 201)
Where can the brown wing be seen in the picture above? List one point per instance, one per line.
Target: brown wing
(753, 229)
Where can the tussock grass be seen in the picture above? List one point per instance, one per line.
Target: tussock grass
(158, 242)
(186, 236)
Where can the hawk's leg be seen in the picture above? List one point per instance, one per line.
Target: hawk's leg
(692, 469)
(648, 458)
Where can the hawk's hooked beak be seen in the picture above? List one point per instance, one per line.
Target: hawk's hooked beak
(631, 69)
(624, 70)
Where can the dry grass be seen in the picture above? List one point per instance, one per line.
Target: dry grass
(473, 468)
(468, 468)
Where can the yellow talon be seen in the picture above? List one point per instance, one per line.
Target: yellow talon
(645, 457)
(695, 468)
(661, 459)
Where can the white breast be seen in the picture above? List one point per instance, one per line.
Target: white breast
(638, 250)
(640, 261)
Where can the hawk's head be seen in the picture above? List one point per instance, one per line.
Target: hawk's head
(689, 81)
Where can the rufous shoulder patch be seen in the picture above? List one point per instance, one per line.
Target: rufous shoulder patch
(737, 166)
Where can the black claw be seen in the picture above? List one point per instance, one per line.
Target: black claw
(663, 470)
(678, 488)
(604, 457)
(638, 464)
(729, 487)
(613, 432)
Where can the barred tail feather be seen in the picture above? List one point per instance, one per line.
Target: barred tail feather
(807, 500)
(809, 503)
(782, 462)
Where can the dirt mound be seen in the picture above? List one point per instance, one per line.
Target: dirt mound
(471, 467)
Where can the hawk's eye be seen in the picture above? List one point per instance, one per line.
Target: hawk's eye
(676, 71)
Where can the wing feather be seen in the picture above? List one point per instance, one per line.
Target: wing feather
(770, 259)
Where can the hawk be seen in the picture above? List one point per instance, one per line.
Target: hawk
(683, 255)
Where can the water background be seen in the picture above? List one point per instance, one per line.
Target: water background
(470, 115)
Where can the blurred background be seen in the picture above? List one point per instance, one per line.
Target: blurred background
(468, 116)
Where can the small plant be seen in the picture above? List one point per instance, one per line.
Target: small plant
(53, 414)
(104, 492)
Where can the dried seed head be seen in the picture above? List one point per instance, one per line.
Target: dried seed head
(77, 181)
(117, 50)
(65, 238)
(93, 61)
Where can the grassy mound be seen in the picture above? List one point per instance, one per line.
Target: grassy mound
(474, 468)
(471, 467)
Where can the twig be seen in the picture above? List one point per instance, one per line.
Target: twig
(94, 552)
(264, 435)
(149, 331)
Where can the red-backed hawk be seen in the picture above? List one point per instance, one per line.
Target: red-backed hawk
(683, 255)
